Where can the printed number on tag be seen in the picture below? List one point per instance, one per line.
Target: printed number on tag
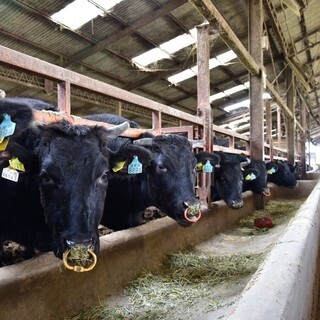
(10, 174)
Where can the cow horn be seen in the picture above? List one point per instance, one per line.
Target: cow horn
(245, 163)
(196, 143)
(143, 141)
(115, 131)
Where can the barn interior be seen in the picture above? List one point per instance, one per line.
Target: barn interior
(149, 48)
(250, 69)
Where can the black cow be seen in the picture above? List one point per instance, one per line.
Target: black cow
(58, 200)
(167, 180)
(280, 174)
(228, 179)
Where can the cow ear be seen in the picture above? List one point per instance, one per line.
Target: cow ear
(18, 111)
(272, 168)
(250, 174)
(121, 159)
(203, 156)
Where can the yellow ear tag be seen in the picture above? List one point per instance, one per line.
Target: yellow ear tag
(118, 166)
(199, 166)
(3, 144)
(16, 164)
(1, 139)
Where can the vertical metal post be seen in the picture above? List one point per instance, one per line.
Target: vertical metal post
(156, 121)
(279, 131)
(64, 97)
(269, 127)
(256, 83)
(118, 108)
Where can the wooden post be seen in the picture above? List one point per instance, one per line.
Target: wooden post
(256, 83)
(290, 122)
(204, 107)
(64, 94)
(256, 87)
(269, 127)
(303, 119)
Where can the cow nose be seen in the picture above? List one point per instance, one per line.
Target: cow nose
(84, 242)
(236, 204)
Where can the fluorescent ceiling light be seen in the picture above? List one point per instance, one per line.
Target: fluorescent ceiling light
(79, 12)
(186, 74)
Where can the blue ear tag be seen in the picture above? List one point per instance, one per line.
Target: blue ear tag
(253, 176)
(272, 170)
(207, 168)
(7, 127)
(135, 166)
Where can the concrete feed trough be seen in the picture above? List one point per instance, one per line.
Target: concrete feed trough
(41, 288)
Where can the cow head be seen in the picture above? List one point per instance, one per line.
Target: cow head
(229, 179)
(71, 165)
(171, 175)
(280, 174)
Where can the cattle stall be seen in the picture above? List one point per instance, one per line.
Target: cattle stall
(41, 288)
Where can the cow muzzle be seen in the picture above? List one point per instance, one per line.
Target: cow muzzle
(192, 213)
(235, 204)
(79, 257)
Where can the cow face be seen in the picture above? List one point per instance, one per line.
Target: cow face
(280, 174)
(228, 179)
(73, 166)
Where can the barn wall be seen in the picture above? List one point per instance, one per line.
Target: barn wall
(42, 288)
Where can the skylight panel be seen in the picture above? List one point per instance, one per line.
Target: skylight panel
(106, 4)
(178, 43)
(179, 77)
(235, 89)
(150, 56)
(217, 96)
(76, 14)
(244, 103)
(226, 57)
(213, 63)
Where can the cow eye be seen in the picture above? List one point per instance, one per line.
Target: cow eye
(45, 177)
(162, 167)
(104, 177)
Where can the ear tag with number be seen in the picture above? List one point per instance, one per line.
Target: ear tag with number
(7, 126)
(272, 170)
(118, 166)
(4, 143)
(207, 168)
(16, 164)
(10, 174)
(135, 166)
(251, 177)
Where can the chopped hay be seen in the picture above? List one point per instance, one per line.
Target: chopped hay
(185, 280)
(279, 210)
(79, 255)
